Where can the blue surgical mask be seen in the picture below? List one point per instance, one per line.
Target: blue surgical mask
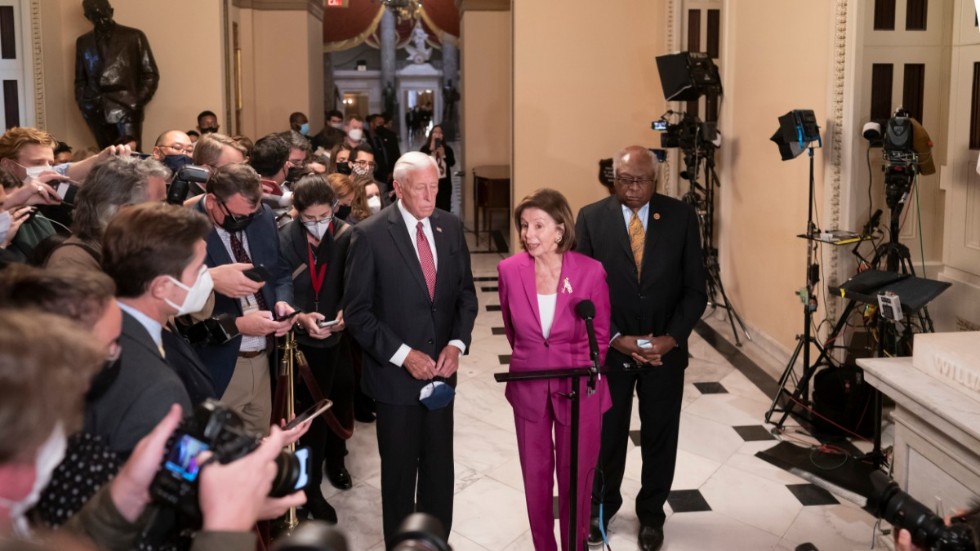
(304, 129)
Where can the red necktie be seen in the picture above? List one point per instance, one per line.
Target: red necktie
(425, 258)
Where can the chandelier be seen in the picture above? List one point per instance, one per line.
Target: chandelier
(406, 10)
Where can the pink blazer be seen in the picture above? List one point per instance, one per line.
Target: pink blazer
(568, 343)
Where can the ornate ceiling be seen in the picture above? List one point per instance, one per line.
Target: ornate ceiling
(359, 22)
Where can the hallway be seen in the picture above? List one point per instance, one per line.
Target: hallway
(724, 497)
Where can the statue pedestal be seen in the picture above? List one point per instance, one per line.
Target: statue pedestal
(937, 417)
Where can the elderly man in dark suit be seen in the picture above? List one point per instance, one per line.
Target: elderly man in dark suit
(115, 76)
(411, 305)
(649, 245)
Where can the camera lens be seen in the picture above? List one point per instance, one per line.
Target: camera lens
(288, 471)
(889, 502)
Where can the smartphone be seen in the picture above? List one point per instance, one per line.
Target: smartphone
(67, 191)
(287, 316)
(258, 273)
(182, 460)
(311, 413)
(327, 323)
(303, 458)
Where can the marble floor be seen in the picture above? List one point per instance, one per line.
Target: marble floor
(724, 497)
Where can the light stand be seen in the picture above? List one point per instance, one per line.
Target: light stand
(797, 131)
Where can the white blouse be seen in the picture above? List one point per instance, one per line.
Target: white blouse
(546, 307)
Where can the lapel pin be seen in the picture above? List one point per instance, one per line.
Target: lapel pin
(438, 229)
(656, 216)
(566, 287)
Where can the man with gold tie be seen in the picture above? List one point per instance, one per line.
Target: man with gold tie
(649, 245)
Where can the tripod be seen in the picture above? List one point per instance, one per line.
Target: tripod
(701, 158)
(890, 338)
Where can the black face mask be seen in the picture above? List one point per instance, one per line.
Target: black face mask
(176, 162)
(295, 173)
(342, 212)
(232, 223)
(209, 130)
(103, 380)
(344, 168)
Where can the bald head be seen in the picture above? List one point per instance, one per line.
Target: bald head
(172, 142)
(635, 169)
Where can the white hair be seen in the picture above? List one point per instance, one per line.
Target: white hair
(412, 162)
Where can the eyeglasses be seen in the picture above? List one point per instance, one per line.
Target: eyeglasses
(629, 181)
(315, 219)
(236, 217)
(180, 148)
(362, 162)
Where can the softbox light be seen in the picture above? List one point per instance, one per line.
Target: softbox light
(797, 129)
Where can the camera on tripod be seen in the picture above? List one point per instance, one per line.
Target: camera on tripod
(687, 134)
(180, 184)
(216, 429)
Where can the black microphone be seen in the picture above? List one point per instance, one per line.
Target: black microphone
(872, 222)
(586, 310)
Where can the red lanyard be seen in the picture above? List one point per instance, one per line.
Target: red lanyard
(316, 279)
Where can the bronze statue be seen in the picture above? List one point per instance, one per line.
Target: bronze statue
(115, 75)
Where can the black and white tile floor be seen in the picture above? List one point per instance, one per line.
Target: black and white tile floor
(724, 497)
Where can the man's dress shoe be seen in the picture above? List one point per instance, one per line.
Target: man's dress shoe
(650, 539)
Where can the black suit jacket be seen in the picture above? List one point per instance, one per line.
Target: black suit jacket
(263, 246)
(140, 396)
(387, 302)
(671, 295)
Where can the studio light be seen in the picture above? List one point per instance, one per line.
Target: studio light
(797, 130)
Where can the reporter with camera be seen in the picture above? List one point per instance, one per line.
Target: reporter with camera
(314, 249)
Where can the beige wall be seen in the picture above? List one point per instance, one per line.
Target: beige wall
(282, 57)
(187, 52)
(282, 64)
(763, 201)
(486, 94)
(585, 85)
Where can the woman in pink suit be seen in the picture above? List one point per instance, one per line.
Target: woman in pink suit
(538, 293)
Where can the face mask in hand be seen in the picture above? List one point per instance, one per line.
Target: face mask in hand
(374, 203)
(49, 456)
(197, 294)
(317, 229)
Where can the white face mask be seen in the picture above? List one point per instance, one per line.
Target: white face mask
(34, 171)
(197, 294)
(49, 456)
(317, 229)
(374, 203)
(355, 134)
(337, 125)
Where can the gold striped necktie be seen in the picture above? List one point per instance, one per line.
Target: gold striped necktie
(637, 238)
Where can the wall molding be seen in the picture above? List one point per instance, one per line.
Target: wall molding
(836, 123)
(315, 7)
(40, 119)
